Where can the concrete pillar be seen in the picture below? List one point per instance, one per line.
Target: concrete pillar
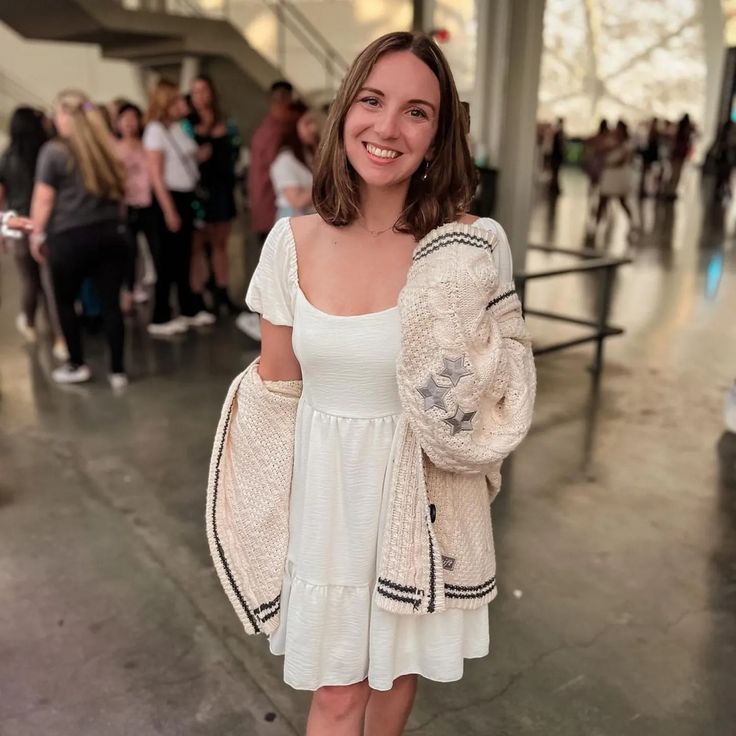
(189, 70)
(714, 45)
(423, 15)
(504, 111)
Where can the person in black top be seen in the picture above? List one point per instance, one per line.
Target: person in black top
(216, 202)
(557, 157)
(17, 167)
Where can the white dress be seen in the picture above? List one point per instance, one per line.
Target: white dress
(331, 631)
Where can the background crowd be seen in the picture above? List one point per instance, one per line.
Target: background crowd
(622, 164)
(130, 206)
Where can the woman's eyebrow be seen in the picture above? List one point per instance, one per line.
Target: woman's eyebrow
(375, 91)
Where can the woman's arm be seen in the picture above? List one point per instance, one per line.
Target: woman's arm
(298, 197)
(155, 161)
(42, 203)
(278, 362)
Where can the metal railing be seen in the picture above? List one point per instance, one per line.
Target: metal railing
(599, 327)
(292, 19)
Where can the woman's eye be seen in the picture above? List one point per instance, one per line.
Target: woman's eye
(417, 112)
(370, 101)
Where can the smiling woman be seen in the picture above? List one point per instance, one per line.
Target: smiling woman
(397, 119)
(385, 317)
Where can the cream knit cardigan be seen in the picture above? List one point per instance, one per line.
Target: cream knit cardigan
(467, 385)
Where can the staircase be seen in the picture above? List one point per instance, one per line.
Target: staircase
(158, 42)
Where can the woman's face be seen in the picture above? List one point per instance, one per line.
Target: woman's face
(128, 124)
(306, 128)
(390, 126)
(63, 123)
(201, 94)
(178, 109)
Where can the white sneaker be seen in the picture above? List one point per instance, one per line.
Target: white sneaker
(59, 351)
(118, 381)
(166, 329)
(250, 324)
(28, 332)
(71, 374)
(201, 319)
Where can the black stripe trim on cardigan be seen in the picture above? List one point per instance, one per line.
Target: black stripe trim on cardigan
(444, 240)
(402, 588)
(268, 605)
(500, 298)
(479, 594)
(466, 588)
(430, 605)
(270, 615)
(402, 599)
(220, 550)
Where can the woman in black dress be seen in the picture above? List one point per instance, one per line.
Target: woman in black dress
(216, 203)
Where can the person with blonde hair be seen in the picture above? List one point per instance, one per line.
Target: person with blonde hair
(77, 209)
(356, 460)
(173, 162)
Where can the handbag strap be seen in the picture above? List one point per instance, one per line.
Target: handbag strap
(186, 162)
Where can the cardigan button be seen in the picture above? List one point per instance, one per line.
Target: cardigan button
(432, 512)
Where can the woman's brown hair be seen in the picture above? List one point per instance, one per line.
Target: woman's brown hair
(91, 144)
(160, 100)
(450, 176)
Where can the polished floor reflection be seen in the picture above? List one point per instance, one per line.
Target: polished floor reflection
(616, 528)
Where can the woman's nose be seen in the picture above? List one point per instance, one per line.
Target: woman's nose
(387, 125)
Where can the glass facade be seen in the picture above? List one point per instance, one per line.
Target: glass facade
(601, 60)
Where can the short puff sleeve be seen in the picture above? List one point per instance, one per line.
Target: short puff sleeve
(502, 251)
(273, 288)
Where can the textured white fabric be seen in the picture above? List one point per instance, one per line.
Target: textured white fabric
(331, 631)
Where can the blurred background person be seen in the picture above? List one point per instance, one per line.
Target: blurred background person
(76, 212)
(138, 197)
(173, 162)
(557, 157)
(615, 180)
(649, 153)
(216, 200)
(264, 148)
(594, 156)
(681, 148)
(721, 158)
(291, 171)
(17, 169)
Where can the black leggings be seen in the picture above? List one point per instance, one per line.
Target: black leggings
(172, 256)
(98, 251)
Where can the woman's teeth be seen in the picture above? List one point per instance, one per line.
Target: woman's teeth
(381, 152)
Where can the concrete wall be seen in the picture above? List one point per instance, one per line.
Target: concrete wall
(44, 68)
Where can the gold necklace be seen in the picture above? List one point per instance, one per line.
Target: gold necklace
(376, 233)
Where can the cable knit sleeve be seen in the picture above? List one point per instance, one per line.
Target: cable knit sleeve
(272, 290)
(466, 372)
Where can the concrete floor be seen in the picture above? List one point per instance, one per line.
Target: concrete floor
(615, 529)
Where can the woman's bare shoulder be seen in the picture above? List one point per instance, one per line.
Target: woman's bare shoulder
(306, 226)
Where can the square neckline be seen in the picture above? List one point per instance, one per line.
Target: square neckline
(304, 297)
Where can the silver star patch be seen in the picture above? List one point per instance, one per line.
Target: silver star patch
(434, 394)
(462, 421)
(455, 369)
